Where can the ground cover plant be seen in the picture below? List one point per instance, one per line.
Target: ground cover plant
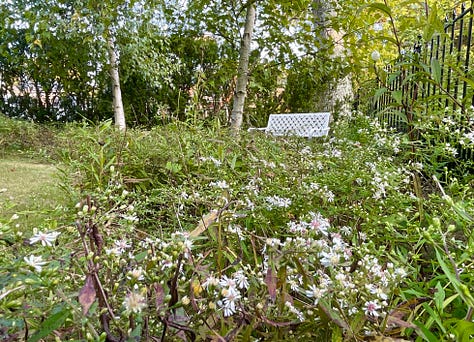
(182, 233)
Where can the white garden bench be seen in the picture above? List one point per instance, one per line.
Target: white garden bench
(300, 124)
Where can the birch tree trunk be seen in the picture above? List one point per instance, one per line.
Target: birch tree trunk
(340, 93)
(119, 114)
(236, 117)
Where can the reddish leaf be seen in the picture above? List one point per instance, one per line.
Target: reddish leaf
(87, 294)
(396, 317)
(407, 307)
(271, 282)
(278, 324)
(160, 296)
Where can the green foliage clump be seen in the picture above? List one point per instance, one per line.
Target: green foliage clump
(182, 231)
(20, 137)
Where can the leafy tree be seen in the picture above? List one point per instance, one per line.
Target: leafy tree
(66, 47)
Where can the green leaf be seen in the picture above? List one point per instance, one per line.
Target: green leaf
(439, 296)
(141, 256)
(380, 7)
(332, 314)
(427, 335)
(379, 92)
(464, 330)
(49, 325)
(436, 70)
(462, 289)
(397, 95)
(434, 316)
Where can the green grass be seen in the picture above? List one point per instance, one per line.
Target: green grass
(28, 189)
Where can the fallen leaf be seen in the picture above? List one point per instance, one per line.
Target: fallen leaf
(395, 318)
(205, 222)
(407, 307)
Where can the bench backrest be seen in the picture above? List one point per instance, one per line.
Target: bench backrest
(300, 124)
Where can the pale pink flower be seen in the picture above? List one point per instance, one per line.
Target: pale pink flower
(371, 308)
(46, 238)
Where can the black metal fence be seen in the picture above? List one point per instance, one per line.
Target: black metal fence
(436, 77)
(437, 74)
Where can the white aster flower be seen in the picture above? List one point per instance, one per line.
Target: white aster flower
(378, 27)
(319, 223)
(227, 282)
(185, 300)
(371, 308)
(46, 238)
(220, 184)
(294, 310)
(210, 281)
(134, 302)
(35, 261)
(231, 296)
(315, 292)
(121, 245)
(136, 273)
(329, 258)
(276, 201)
(241, 280)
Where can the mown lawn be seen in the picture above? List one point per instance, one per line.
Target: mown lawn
(28, 189)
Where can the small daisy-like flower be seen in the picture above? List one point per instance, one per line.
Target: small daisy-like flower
(35, 261)
(227, 282)
(315, 292)
(319, 223)
(375, 55)
(131, 218)
(220, 184)
(210, 281)
(134, 302)
(187, 246)
(166, 264)
(113, 251)
(294, 310)
(276, 201)
(185, 300)
(121, 245)
(46, 238)
(231, 296)
(330, 259)
(241, 280)
(136, 273)
(371, 308)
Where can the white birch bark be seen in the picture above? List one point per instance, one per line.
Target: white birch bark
(119, 114)
(240, 94)
(340, 94)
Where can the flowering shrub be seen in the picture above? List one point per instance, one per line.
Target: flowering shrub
(447, 137)
(265, 239)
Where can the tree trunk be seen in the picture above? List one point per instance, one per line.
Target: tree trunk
(339, 94)
(119, 114)
(243, 71)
